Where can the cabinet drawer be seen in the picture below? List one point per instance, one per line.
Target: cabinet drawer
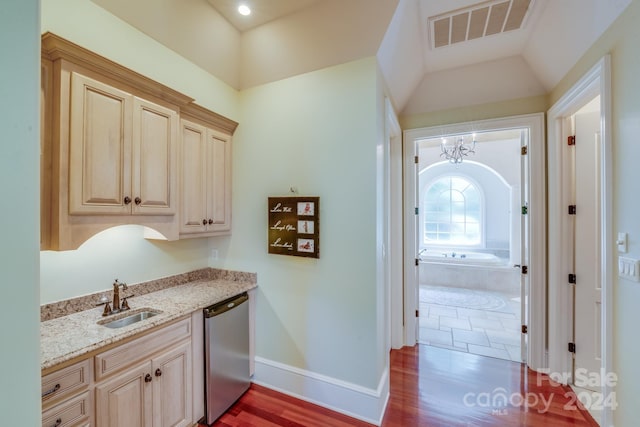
(70, 413)
(118, 358)
(64, 382)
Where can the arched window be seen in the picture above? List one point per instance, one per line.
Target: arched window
(452, 212)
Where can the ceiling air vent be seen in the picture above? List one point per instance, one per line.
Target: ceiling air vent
(480, 20)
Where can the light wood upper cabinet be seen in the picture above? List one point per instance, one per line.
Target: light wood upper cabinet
(111, 153)
(100, 148)
(122, 152)
(205, 181)
(155, 143)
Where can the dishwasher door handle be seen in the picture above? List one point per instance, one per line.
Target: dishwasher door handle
(226, 305)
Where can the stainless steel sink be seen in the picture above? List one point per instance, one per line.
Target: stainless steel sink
(129, 319)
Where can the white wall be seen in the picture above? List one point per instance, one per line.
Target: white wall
(19, 179)
(122, 252)
(478, 84)
(501, 188)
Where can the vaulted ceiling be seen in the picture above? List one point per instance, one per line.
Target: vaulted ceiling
(434, 54)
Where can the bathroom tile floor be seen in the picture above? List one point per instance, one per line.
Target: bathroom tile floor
(479, 322)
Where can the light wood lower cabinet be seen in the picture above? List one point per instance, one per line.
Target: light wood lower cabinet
(67, 396)
(156, 393)
(74, 412)
(126, 399)
(147, 382)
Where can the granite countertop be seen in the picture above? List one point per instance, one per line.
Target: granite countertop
(71, 336)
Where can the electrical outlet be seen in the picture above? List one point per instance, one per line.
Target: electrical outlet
(214, 254)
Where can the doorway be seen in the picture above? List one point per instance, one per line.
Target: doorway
(580, 343)
(529, 257)
(469, 239)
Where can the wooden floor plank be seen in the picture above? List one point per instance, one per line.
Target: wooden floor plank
(431, 387)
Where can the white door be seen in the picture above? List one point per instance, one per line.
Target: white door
(588, 292)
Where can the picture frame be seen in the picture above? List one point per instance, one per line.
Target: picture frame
(294, 226)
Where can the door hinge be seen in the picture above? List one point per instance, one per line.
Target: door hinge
(524, 329)
(524, 150)
(572, 209)
(571, 140)
(572, 347)
(416, 210)
(525, 210)
(525, 269)
(416, 160)
(417, 313)
(572, 278)
(417, 262)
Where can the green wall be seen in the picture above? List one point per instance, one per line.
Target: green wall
(318, 132)
(122, 252)
(621, 41)
(514, 107)
(315, 132)
(20, 181)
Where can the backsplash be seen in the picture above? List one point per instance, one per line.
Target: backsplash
(73, 305)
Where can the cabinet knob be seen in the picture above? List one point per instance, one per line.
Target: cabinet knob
(127, 200)
(210, 221)
(147, 378)
(138, 200)
(158, 372)
(58, 422)
(204, 222)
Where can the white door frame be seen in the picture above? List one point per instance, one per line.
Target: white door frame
(537, 216)
(596, 81)
(393, 233)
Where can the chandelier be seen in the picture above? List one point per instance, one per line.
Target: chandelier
(454, 149)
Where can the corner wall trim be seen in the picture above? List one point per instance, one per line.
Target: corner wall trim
(350, 399)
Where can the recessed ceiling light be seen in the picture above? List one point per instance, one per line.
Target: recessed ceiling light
(243, 9)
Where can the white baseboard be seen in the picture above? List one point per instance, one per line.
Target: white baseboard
(359, 402)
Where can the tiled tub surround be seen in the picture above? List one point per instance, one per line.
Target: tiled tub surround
(66, 337)
(501, 278)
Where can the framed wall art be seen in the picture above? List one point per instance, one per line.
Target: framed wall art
(294, 227)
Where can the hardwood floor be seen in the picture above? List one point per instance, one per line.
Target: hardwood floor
(435, 387)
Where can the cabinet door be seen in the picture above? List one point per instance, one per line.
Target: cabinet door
(155, 135)
(126, 400)
(218, 181)
(100, 148)
(194, 190)
(172, 406)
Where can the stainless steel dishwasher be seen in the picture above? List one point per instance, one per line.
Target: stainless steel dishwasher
(226, 348)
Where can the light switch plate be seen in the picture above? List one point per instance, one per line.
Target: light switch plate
(629, 268)
(622, 242)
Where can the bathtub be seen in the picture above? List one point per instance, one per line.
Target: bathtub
(460, 257)
(476, 270)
